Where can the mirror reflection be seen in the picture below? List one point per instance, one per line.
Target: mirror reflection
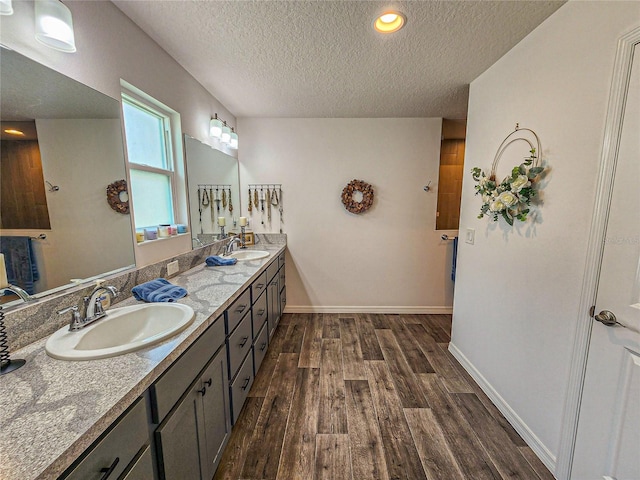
(56, 226)
(214, 191)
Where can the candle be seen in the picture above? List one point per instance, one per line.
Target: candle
(3, 273)
(222, 221)
(243, 221)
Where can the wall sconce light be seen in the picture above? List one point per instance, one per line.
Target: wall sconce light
(233, 142)
(226, 134)
(54, 25)
(215, 127)
(6, 8)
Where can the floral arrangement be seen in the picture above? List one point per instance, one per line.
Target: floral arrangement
(512, 197)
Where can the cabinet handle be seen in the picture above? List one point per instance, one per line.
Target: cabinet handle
(208, 382)
(109, 470)
(274, 283)
(246, 383)
(241, 308)
(263, 346)
(260, 286)
(203, 391)
(261, 312)
(244, 341)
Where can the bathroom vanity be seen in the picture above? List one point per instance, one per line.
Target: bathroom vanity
(165, 412)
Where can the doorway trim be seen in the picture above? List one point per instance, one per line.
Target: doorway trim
(597, 233)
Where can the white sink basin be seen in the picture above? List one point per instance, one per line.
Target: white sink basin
(123, 330)
(246, 255)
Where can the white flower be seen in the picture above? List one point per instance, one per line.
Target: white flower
(519, 183)
(496, 206)
(483, 181)
(508, 199)
(486, 198)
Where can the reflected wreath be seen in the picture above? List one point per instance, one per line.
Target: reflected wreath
(352, 205)
(114, 190)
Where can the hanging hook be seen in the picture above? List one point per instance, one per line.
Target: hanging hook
(427, 187)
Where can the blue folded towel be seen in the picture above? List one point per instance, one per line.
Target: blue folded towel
(158, 290)
(216, 261)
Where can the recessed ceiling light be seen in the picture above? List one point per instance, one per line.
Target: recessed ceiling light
(390, 22)
(13, 131)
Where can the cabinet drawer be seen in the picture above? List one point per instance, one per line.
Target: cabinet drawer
(238, 310)
(240, 387)
(117, 449)
(258, 286)
(260, 346)
(272, 269)
(239, 345)
(173, 383)
(259, 314)
(281, 260)
(141, 468)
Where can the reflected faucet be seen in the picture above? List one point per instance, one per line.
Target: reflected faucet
(228, 249)
(24, 296)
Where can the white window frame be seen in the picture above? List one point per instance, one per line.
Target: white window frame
(148, 104)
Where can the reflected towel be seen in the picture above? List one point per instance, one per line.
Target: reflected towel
(19, 254)
(158, 290)
(216, 261)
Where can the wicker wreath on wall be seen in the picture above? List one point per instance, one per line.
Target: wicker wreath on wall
(352, 205)
(115, 193)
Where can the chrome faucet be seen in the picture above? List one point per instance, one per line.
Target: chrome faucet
(24, 296)
(93, 309)
(228, 249)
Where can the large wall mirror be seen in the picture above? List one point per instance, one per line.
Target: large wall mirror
(56, 226)
(214, 190)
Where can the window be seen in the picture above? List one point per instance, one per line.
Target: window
(151, 162)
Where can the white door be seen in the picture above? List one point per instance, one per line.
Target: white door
(608, 438)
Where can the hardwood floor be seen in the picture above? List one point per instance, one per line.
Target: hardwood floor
(367, 396)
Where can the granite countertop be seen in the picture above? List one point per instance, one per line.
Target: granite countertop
(52, 410)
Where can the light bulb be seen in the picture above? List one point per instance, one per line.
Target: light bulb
(226, 134)
(54, 25)
(389, 22)
(215, 127)
(6, 8)
(233, 142)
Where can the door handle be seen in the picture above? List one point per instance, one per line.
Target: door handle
(607, 318)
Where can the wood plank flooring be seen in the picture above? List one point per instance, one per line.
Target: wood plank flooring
(368, 396)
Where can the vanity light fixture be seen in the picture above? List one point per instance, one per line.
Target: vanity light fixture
(226, 134)
(233, 142)
(54, 25)
(6, 8)
(215, 127)
(389, 22)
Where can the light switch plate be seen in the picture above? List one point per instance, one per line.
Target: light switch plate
(172, 268)
(470, 236)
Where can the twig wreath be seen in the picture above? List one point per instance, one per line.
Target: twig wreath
(511, 198)
(114, 192)
(352, 205)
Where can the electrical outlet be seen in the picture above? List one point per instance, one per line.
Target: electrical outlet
(172, 268)
(470, 236)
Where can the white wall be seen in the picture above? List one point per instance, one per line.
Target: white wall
(77, 155)
(110, 47)
(387, 259)
(517, 290)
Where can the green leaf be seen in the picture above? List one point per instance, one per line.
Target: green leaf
(515, 172)
(490, 185)
(536, 171)
(522, 170)
(507, 217)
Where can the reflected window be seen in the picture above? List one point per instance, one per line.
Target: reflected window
(151, 161)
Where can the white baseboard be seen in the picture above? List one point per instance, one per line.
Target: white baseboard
(512, 417)
(343, 309)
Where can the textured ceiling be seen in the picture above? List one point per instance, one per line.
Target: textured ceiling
(323, 58)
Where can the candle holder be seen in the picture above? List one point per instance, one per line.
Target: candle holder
(223, 235)
(242, 229)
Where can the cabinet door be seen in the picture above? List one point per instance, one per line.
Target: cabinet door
(177, 438)
(141, 468)
(216, 424)
(273, 305)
